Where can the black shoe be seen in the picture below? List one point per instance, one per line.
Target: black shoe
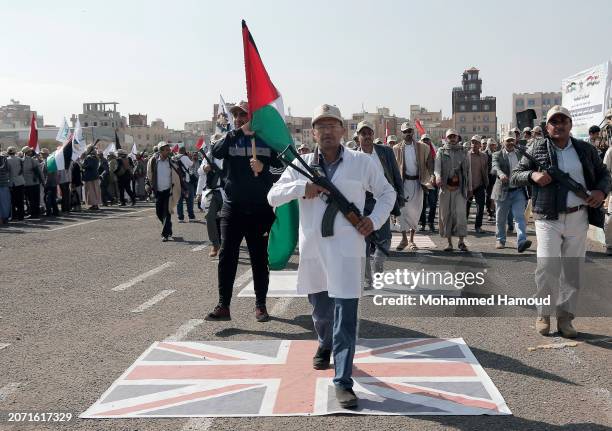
(346, 398)
(524, 246)
(261, 314)
(422, 228)
(164, 239)
(432, 228)
(321, 359)
(219, 313)
(478, 230)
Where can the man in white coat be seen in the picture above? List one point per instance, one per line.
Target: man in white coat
(331, 268)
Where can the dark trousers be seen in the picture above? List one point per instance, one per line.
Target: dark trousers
(106, 196)
(212, 217)
(255, 228)
(480, 196)
(51, 200)
(33, 195)
(17, 202)
(162, 210)
(430, 200)
(125, 185)
(65, 189)
(189, 200)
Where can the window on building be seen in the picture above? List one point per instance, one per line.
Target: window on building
(474, 107)
(485, 128)
(86, 124)
(113, 124)
(531, 102)
(520, 103)
(139, 136)
(472, 87)
(95, 124)
(147, 137)
(462, 119)
(474, 129)
(557, 101)
(462, 130)
(462, 107)
(546, 101)
(486, 107)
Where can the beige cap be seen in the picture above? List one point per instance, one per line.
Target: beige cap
(326, 111)
(378, 141)
(242, 106)
(162, 144)
(44, 151)
(350, 145)
(515, 130)
(25, 150)
(558, 109)
(491, 141)
(537, 129)
(451, 132)
(11, 151)
(405, 126)
(425, 136)
(509, 136)
(527, 130)
(363, 124)
(391, 138)
(475, 138)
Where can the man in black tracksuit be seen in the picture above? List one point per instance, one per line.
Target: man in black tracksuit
(245, 213)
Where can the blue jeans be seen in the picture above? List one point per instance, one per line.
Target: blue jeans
(335, 322)
(515, 204)
(190, 198)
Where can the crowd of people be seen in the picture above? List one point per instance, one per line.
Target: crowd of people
(398, 185)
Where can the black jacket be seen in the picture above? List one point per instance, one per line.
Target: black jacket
(549, 201)
(244, 191)
(392, 174)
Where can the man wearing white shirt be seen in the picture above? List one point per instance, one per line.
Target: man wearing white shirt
(330, 268)
(212, 196)
(185, 163)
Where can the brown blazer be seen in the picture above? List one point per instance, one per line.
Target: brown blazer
(424, 160)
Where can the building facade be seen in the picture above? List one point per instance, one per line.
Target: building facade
(472, 113)
(18, 116)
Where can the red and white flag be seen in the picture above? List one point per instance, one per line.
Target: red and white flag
(419, 127)
(200, 143)
(33, 142)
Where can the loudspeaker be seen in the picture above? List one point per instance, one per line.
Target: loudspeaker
(525, 118)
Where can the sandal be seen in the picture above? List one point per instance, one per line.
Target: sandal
(412, 246)
(462, 246)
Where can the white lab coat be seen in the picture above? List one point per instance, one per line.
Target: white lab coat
(334, 264)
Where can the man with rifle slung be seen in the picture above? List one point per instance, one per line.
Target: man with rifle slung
(332, 257)
(570, 183)
(210, 172)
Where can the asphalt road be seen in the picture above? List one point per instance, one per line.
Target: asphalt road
(77, 307)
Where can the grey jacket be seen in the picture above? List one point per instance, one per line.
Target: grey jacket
(549, 201)
(31, 171)
(501, 165)
(5, 175)
(15, 165)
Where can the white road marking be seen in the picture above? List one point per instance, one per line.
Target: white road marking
(7, 390)
(184, 329)
(244, 278)
(160, 296)
(201, 247)
(142, 277)
(281, 306)
(98, 219)
(4, 345)
(198, 424)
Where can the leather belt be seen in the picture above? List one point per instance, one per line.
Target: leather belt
(574, 209)
(411, 177)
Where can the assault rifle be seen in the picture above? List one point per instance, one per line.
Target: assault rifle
(596, 215)
(336, 201)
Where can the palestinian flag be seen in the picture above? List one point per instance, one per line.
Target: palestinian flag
(61, 158)
(268, 122)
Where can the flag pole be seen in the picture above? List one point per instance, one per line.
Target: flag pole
(254, 151)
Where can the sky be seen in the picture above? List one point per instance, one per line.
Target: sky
(172, 59)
